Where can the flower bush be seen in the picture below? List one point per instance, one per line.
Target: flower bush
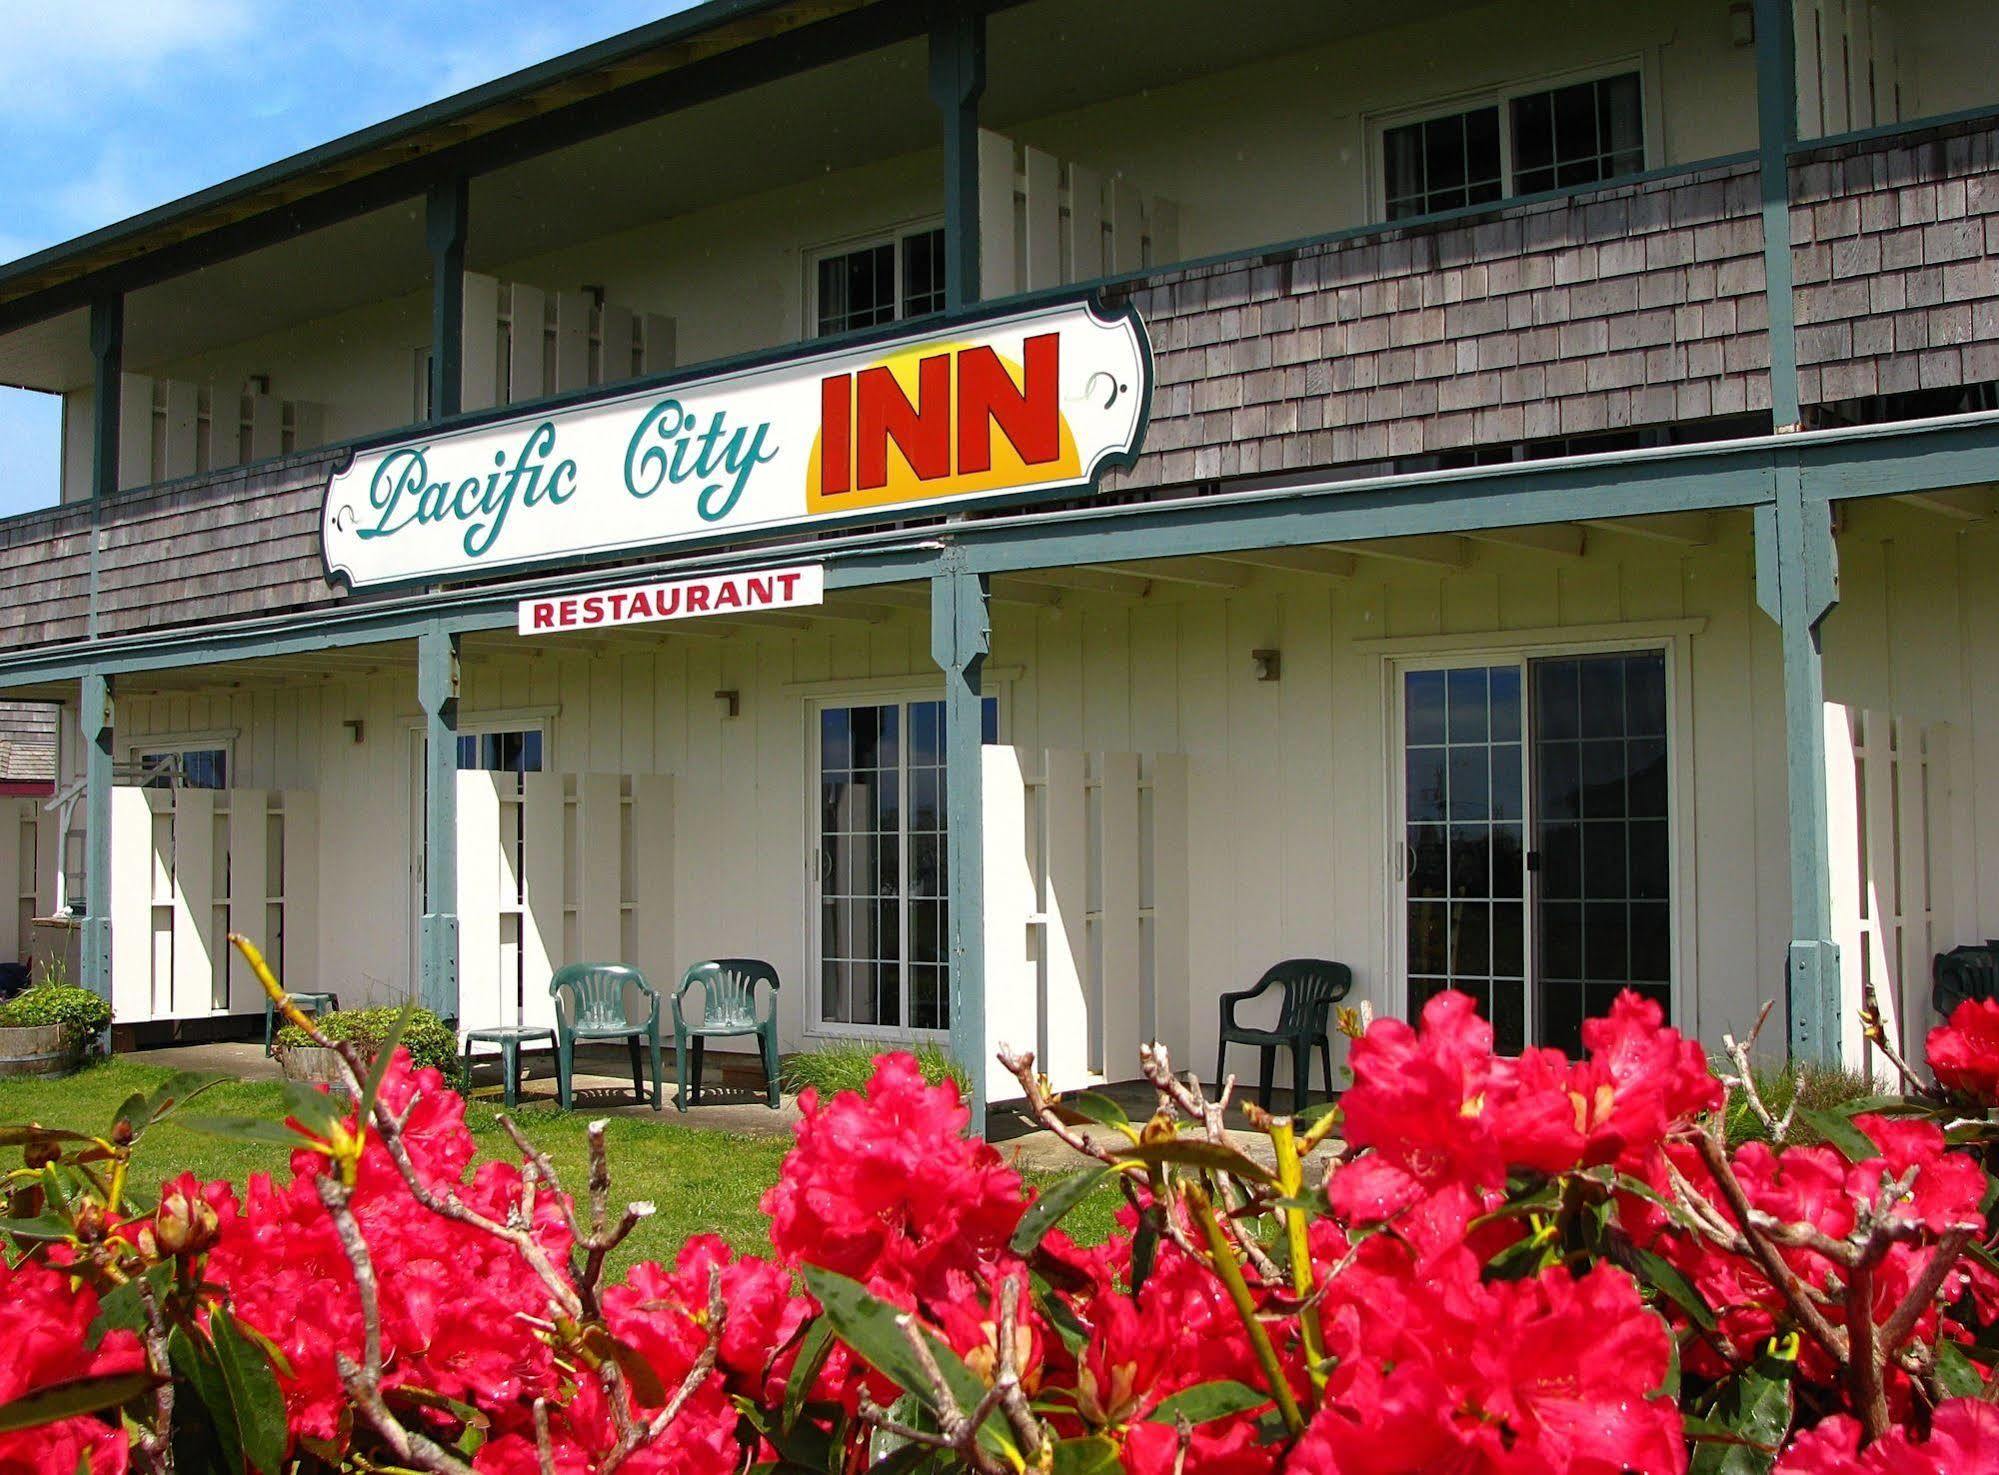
(428, 1040)
(82, 1014)
(1478, 1264)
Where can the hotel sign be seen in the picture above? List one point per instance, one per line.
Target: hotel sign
(1031, 403)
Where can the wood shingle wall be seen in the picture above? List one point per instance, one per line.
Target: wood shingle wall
(1638, 304)
(1896, 245)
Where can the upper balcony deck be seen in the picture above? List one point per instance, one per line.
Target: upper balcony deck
(1571, 318)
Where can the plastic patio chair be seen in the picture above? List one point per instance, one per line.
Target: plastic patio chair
(729, 1007)
(590, 1005)
(1311, 987)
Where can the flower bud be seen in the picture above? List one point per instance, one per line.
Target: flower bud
(185, 1224)
(40, 1154)
(121, 1134)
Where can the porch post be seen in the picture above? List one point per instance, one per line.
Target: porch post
(437, 693)
(960, 637)
(94, 721)
(445, 210)
(957, 80)
(1777, 130)
(1797, 584)
(107, 361)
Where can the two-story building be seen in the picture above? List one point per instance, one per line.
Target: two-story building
(1024, 514)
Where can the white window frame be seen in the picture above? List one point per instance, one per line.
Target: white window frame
(1674, 638)
(812, 703)
(159, 744)
(1378, 124)
(893, 235)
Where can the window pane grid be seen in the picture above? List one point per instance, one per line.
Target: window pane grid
(1578, 134)
(1442, 163)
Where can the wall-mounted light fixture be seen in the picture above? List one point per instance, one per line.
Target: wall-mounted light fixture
(354, 726)
(732, 702)
(1268, 664)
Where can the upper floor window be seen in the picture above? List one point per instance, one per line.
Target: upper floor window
(880, 282)
(515, 751)
(183, 768)
(1550, 138)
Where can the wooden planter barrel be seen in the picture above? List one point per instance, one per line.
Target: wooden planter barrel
(37, 1050)
(312, 1065)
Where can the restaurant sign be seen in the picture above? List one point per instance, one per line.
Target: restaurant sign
(1030, 403)
(674, 599)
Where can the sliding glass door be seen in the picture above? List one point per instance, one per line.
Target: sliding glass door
(1535, 865)
(883, 903)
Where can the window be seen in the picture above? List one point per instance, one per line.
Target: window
(881, 282)
(884, 903)
(515, 752)
(1553, 138)
(183, 768)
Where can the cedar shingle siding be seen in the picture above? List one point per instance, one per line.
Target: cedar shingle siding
(27, 742)
(1896, 246)
(1632, 305)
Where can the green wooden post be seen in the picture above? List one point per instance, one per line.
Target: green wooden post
(94, 720)
(107, 360)
(1797, 584)
(1777, 131)
(437, 693)
(444, 226)
(957, 80)
(960, 638)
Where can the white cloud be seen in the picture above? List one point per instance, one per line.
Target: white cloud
(64, 58)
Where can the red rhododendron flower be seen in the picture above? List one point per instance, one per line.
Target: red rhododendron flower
(887, 1190)
(44, 1325)
(1964, 1053)
(1964, 1440)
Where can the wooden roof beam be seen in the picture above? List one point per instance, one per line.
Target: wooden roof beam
(1088, 580)
(1566, 539)
(1427, 550)
(1204, 573)
(1961, 504)
(1327, 563)
(1688, 529)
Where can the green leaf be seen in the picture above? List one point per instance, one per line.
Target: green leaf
(123, 1307)
(46, 1226)
(872, 1327)
(639, 1374)
(813, 1350)
(1048, 1210)
(1841, 1133)
(1207, 1401)
(132, 1111)
(254, 1393)
(1196, 1152)
(30, 1133)
(68, 1400)
(246, 1129)
(312, 1108)
(197, 1371)
(1096, 1108)
(1091, 1455)
(379, 1066)
(1960, 1376)
(1675, 1287)
(1746, 1427)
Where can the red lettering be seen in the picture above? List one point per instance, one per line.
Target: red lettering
(697, 599)
(836, 433)
(617, 603)
(759, 590)
(788, 585)
(729, 595)
(568, 612)
(593, 609)
(1029, 417)
(642, 605)
(543, 616)
(922, 432)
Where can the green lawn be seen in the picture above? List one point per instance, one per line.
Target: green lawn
(701, 1179)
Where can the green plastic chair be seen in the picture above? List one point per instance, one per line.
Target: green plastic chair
(729, 1007)
(1311, 987)
(590, 1005)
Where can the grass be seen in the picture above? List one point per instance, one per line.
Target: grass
(1813, 1087)
(848, 1067)
(702, 1180)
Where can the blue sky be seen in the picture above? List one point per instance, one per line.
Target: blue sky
(108, 107)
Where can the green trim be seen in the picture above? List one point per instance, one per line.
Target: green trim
(1777, 130)
(446, 209)
(107, 365)
(437, 694)
(960, 640)
(94, 719)
(957, 81)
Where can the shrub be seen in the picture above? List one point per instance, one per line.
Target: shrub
(849, 1067)
(430, 1041)
(81, 1013)
(1817, 1089)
